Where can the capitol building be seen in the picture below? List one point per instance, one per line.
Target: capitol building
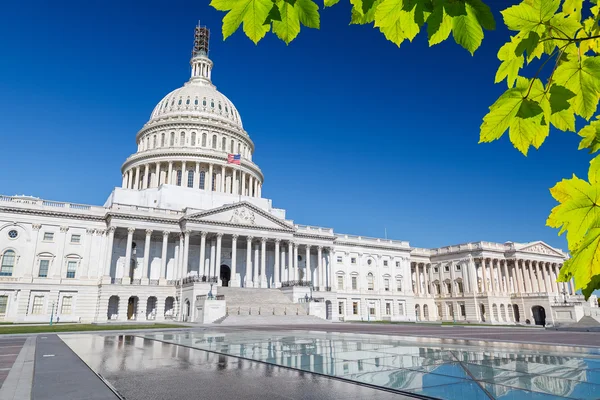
(188, 236)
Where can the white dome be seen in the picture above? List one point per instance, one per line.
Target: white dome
(197, 98)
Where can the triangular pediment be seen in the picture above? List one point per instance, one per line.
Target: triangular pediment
(540, 247)
(241, 214)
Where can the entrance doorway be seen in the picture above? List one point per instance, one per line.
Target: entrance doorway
(225, 275)
(516, 313)
(539, 315)
(186, 311)
(482, 312)
(131, 307)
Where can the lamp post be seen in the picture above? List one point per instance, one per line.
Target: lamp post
(564, 293)
(52, 314)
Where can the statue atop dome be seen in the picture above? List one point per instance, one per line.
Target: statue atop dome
(201, 39)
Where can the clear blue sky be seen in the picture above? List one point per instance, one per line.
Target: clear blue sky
(350, 131)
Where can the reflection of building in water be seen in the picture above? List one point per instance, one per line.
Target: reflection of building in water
(190, 212)
(395, 364)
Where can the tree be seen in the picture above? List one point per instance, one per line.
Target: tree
(561, 36)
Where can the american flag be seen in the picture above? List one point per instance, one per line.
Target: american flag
(234, 159)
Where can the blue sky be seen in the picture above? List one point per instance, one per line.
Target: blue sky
(350, 131)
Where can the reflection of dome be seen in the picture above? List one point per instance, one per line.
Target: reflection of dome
(197, 98)
(550, 384)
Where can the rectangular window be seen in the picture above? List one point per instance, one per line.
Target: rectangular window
(397, 263)
(449, 288)
(463, 310)
(43, 272)
(386, 285)
(399, 285)
(355, 307)
(436, 269)
(190, 179)
(3, 304)
(65, 307)
(340, 281)
(71, 268)
(401, 309)
(460, 287)
(458, 267)
(353, 260)
(372, 309)
(354, 283)
(447, 268)
(339, 259)
(48, 236)
(75, 238)
(202, 179)
(38, 305)
(388, 308)
(341, 308)
(172, 142)
(385, 263)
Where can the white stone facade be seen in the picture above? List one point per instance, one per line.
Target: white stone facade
(185, 213)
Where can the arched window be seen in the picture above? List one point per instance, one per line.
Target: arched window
(370, 284)
(202, 179)
(172, 143)
(214, 142)
(224, 143)
(179, 178)
(232, 145)
(8, 262)
(193, 142)
(147, 142)
(190, 179)
(239, 148)
(182, 139)
(154, 142)
(214, 182)
(187, 102)
(196, 102)
(162, 140)
(149, 179)
(204, 140)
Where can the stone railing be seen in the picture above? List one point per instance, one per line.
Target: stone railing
(154, 210)
(47, 203)
(136, 281)
(153, 282)
(197, 279)
(206, 297)
(370, 240)
(313, 229)
(116, 281)
(296, 283)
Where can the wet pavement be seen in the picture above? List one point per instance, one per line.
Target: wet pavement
(9, 350)
(142, 368)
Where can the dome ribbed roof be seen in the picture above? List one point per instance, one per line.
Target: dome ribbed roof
(197, 98)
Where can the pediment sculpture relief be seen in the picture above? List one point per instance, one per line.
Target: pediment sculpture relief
(242, 216)
(539, 248)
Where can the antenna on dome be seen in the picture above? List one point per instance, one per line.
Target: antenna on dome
(201, 39)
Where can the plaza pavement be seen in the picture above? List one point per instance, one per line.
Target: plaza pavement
(59, 373)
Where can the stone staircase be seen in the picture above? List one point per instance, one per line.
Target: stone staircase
(250, 301)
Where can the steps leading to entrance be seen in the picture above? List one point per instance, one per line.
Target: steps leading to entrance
(259, 302)
(271, 320)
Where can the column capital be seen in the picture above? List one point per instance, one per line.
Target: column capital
(308, 246)
(249, 238)
(277, 240)
(90, 231)
(166, 233)
(111, 229)
(64, 229)
(219, 235)
(263, 239)
(36, 227)
(203, 234)
(235, 237)
(148, 232)
(187, 232)
(130, 230)
(320, 248)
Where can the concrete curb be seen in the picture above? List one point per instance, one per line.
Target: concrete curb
(19, 382)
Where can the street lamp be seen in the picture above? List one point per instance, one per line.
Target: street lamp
(564, 293)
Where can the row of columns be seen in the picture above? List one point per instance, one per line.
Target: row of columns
(493, 276)
(217, 177)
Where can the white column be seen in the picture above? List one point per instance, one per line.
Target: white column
(417, 284)
(218, 261)
(169, 179)
(296, 273)
(263, 263)
(320, 268)
(484, 276)
(202, 263)
(308, 276)
(248, 277)
(163, 258)
(506, 279)
(145, 179)
(184, 174)
(572, 286)
(426, 283)
(109, 252)
(208, 182)
(197, 176)
(146, 255)
(234, 282)
(136, 182)
(157, 173)
(255, 187)
(186, 253)
(291, 273)
(284, 277)
(256, 268)
(127, 265)
(124, 182)
(222, 186)
(243, 178)
(276, 278)
(211, 264)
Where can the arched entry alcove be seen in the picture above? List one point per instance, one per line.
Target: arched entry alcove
(225, 274)
(113, 307)
(186, 311)
(539, 315)
(516, 313)
(132, 305)
(482, 312)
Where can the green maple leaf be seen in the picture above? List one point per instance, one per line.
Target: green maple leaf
(359, 17)
(483, 14)
(565, 25)
(572, 7)
(289, 25)
(529, 15)
(466, 30)
(252, 13)
(582, 77)
(591, 136)
(329, 3)
(511, 63)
